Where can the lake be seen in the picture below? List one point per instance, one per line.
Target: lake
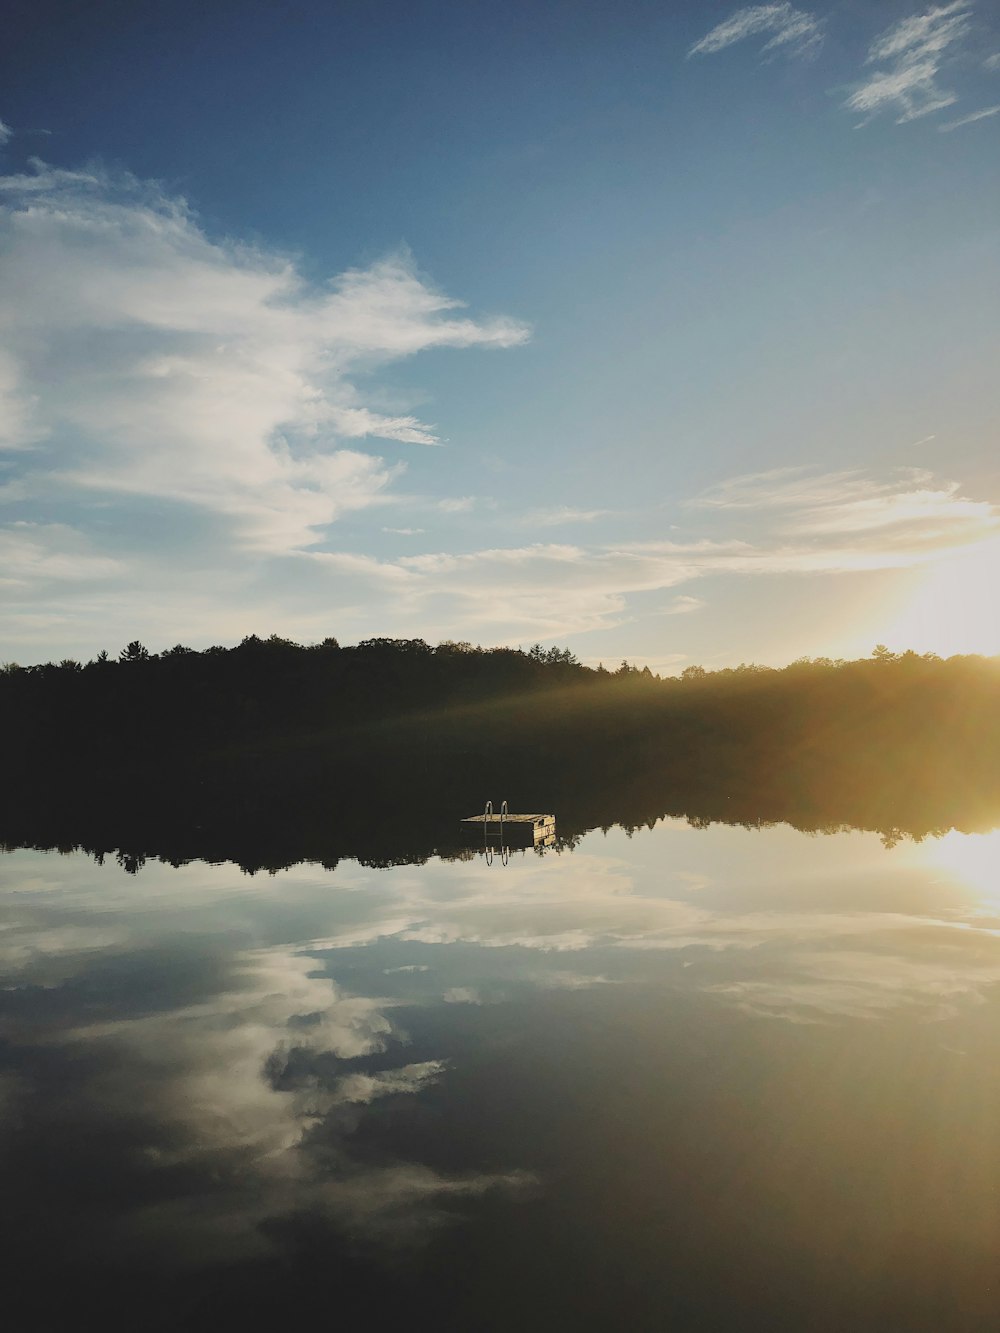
(692, 1078)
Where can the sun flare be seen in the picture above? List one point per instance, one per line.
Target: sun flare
(955, 608)
(972, 860)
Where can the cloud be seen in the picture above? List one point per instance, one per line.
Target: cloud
(826, 986)
(778, 487)
(793, 521)
(573, 980)
(6, 134)
(244, 1076)
(906, 59)
(683, 606)
(911, 53)
(462, 995)
(19, 424)
(145, 359)
(239, 1104)
(789, 521)
(181, 414)
(911, 509)
(969, 120)
(794, 32)
(922, 515)
(33, 554)
(551, 518)
(849, 501)
(243, 1073)
(182, 420)
(360, 1089)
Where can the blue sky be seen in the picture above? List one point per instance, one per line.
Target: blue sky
(666, 332)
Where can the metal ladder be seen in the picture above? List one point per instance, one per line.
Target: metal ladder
(504, 850)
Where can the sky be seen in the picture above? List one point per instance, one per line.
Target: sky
(665, 332)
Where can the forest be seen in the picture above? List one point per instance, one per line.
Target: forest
(270, 751)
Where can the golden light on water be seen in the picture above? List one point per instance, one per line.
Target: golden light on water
(972, 860)
(955, 608)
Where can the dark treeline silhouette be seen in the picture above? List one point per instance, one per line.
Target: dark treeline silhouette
(143, 707)
(269, 752)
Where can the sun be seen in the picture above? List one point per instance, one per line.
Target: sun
(972, 860)
(955, 608)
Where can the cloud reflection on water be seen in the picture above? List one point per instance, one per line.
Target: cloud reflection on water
(240, 1036)
(207, 1090)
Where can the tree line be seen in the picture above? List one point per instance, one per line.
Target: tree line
(302, 750)
(317, 712)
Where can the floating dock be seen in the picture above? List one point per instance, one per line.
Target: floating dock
(512, 830)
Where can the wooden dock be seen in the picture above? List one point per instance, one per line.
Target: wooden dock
(513, 830)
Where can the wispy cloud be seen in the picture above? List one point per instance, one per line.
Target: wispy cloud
(789, 521)
(145, 359)
(793, 32)
(969, 120)
(405, 532)
(910, 54)
(778, 487)
(6, 133)
(20, 427)
(560, 514)
(462, 995)
(683, 606)
(905, 60)
(910, 508)
(824, 985)
(922, 509)
(36, 555)
(407, 1079)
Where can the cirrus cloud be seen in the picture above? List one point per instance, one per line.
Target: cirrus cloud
(905, 61)
(794, 32)
(910, 54)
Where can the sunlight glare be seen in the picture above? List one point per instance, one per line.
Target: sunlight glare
(972, 859)
(955, 608)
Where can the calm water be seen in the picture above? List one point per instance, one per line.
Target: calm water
(693, 1079)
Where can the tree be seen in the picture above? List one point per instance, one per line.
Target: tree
(134, 652)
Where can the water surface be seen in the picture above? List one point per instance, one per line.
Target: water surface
(688, 1079)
